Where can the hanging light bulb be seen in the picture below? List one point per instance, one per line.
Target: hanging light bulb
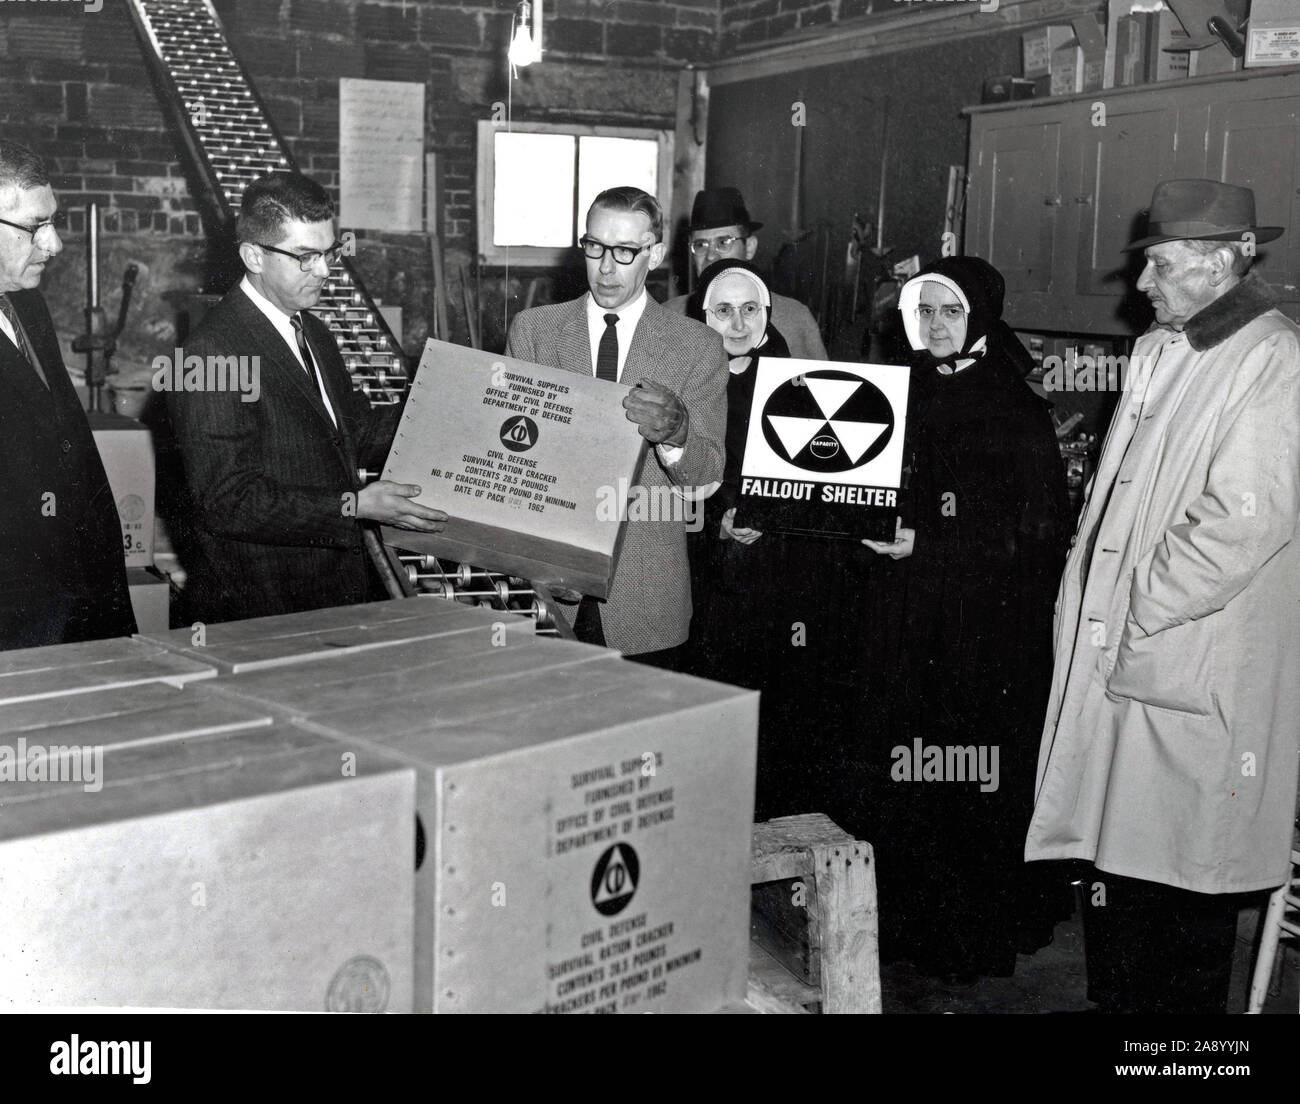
(524, 50)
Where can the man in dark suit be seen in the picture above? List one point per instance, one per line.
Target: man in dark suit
(278, 505)
(678, 372)
(62, 573)
(721, 227)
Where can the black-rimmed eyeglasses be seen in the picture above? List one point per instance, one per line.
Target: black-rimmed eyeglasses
(56, 222)
(624, 254)
(307, 261)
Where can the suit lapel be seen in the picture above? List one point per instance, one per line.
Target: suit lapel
(645, 356)
(573, 349)
(20, 378)
(275, 352)
(333, 380)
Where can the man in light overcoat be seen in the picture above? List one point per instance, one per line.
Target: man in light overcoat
(1171, 747)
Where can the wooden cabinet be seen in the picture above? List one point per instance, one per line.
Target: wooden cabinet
(1024, 204)
(1258, 144)
(1059, 187)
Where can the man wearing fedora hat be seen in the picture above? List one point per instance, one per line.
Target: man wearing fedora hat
(721, 227)
(1170, 750)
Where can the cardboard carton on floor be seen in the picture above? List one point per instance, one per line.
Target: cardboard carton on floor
(198, 856)
(587, 840)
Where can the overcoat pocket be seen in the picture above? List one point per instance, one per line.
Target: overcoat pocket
(1171, 669)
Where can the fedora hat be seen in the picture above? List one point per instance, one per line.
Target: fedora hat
(715, 207)
(1204, 210)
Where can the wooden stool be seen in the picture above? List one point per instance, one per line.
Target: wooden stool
(829, 880)
(1282, 915)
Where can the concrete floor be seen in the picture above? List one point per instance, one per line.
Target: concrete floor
(1053, 980)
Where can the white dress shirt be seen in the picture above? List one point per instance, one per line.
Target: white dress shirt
(628, 316)
(284, 327)
(8, 331)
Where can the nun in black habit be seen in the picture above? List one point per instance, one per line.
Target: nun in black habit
(981, 547)
(771, 609)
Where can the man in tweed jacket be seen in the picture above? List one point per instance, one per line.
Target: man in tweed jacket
(678, 372)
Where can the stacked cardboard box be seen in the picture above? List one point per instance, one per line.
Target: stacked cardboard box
(1273, 36)
(160, 849)
(541, 826)
(1164, 31)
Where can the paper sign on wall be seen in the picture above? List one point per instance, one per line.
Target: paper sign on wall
(381, 155)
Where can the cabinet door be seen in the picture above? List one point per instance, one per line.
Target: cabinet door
(1121, 163)
(1257, 144)
(1017, 202)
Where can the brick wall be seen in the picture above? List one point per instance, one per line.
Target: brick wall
(73, 88)
(73, 85)
(750, 23)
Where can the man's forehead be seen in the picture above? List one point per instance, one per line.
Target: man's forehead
(735, 231)
(629, 226)
(306, 235)
(1170, 251)
(37, 201)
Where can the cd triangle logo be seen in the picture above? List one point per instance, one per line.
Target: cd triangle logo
(614, 880)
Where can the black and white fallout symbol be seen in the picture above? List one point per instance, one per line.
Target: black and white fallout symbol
(519, 433)
(613, 882)
(828, 421)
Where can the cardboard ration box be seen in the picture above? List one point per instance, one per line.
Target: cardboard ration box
(586, 838)
(29, 674)
(94, 705)
(535, 466)
(199, 856)
(444, 669)
(259, 642)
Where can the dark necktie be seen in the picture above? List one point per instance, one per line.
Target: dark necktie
(607, 351)
(304, 351)
(309, 363)
(24, 346)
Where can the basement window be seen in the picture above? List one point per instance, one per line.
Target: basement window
(536, 181)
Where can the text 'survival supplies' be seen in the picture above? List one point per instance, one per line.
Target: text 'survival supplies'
(535, 465)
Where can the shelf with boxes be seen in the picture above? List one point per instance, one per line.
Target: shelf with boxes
(1138, 42)
(1058, 187)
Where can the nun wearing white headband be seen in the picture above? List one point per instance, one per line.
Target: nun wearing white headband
(733, 299)
(981, 542)
(781, 613)
(752, 587)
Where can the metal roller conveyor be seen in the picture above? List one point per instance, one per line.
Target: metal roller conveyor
(501, 591)
(233, 142)
(461, 582)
